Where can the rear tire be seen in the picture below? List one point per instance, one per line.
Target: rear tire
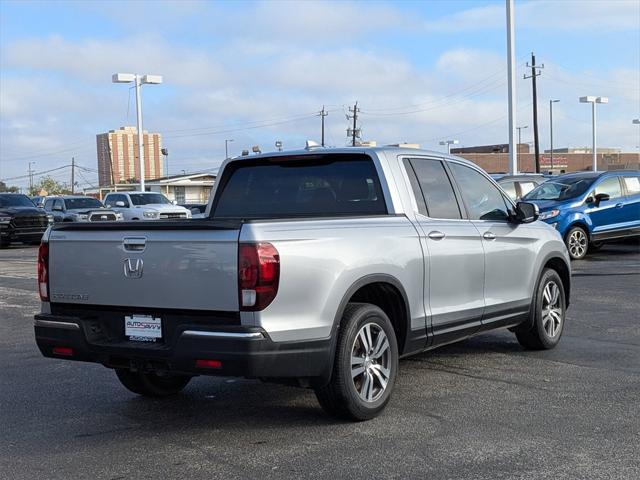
(577, 242)
(151, 384)
(365, 366)
(549, 310)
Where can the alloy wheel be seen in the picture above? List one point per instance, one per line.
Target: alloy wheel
(551, 309)
(578, 243)
(370, 362)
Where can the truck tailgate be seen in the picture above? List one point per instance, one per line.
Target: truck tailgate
(178, 267)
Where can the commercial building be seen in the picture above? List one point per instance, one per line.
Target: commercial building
(495, 158)
(194, 188)
(118, 156)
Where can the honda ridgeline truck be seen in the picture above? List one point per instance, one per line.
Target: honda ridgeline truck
(319, 267)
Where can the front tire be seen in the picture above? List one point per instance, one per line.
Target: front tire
(151, 384)
(365, 366)
(577, 242)
(549, 310)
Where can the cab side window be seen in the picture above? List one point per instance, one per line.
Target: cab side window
(610, 186)
(58, 205)
(48, 205)
(433, 188)
(482, 199)
(632, 184)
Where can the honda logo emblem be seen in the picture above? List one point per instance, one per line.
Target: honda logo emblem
(133, 267)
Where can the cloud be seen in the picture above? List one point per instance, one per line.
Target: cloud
(567, 15)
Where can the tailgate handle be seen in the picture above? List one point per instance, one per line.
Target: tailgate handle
(134, 244)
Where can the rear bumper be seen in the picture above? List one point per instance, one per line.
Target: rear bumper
(242, 351)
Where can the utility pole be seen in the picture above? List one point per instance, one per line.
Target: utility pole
(534, 74)
(355, 131)
(511, 76)
(30, 171)
(520, 134)
(322, 114)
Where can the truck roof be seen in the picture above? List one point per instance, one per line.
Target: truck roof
(387, 149)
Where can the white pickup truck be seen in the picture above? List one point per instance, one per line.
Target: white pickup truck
(319, 268)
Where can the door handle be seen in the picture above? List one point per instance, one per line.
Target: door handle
(619, 205)
(436, 235)
(489, 236)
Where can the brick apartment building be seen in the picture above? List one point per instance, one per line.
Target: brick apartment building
(118, 151)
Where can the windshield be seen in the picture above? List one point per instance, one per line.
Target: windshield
(560, 189)
(148, 198)
(330, 185)
(15, 201)
(78, 203)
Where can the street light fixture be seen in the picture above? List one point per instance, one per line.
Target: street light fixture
(593, 100)
(448, 143)
(551, 102)
(138, 80)
(636, 121)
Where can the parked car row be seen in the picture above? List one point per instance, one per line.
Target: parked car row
(20, 220)
(588, 208)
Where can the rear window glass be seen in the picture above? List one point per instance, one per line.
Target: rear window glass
(325, 185)
(632, 184)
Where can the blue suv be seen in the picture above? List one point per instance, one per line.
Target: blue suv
(588, 208)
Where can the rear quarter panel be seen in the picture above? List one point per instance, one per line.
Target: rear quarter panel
(321, 259)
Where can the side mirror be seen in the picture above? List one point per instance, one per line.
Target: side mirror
(175, 202)
(120, 203)
(526, 212)
(602, 197)
(57, 208)
(40, 205)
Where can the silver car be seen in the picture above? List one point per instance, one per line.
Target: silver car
(319, 267)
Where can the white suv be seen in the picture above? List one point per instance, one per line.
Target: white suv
(145, 206)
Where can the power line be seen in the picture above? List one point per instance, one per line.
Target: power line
(22, 177)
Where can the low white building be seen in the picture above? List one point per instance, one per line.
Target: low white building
(193, 188)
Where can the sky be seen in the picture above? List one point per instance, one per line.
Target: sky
(258, 72)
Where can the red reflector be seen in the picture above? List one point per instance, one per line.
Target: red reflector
(43, 272)
(258, 275)
(208, 364)
(64, 351)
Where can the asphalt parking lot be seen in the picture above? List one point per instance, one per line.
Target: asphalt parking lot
(481, 409)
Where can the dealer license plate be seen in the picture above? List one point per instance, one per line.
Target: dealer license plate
(143, 328)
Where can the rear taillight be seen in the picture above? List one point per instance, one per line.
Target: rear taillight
(43, 272)
(258, 275)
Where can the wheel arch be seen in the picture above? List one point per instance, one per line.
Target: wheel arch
(386, 292)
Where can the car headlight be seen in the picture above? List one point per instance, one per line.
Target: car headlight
(5, 219)
(50, 219)
(119, 216)
(150, 214)
(550, 214)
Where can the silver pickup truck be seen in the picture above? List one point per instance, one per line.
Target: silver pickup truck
(319, 268)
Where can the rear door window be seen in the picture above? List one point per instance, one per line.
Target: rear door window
(301, 186)
(436, 188)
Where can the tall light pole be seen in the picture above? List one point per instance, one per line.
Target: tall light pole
(511, 72)
(138, 80)
(226, 147)
(520, 133)
(593, 100)
(448, 143)
(551, 102)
